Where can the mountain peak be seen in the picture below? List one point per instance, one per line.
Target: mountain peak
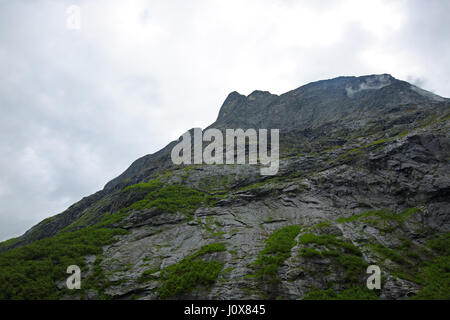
(258, 93)
(322, 101)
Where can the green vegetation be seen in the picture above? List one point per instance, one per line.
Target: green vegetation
(330, 242)
(355, 293)
(440, 245)
(144, 187)
(110, 218)
(354, 267)
(277, 250)
(216, 182)
(345, 256)
(320, 225)
(310, 252)
(408, 259)
(353, 151)
(8, 243)
(436, 272)
(30, 271)
(189, 273)
(253, 186)
(412, 262)
(213, 227)
(96, 281)
(148, 274)
(89, 218)
(383, 216)
(436, 275)
(228, 270)
(427, 267)
(172, 198)
(388, 253)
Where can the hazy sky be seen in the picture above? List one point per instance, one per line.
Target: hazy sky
(78, 106)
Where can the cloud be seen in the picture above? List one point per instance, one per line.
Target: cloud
(78, 106)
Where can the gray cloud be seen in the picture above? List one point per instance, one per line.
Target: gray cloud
(77, 107)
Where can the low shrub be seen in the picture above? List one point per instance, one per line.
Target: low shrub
(191, 272)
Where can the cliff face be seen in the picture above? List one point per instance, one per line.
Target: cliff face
(363, 180)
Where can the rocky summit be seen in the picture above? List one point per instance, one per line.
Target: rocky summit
(363, 180)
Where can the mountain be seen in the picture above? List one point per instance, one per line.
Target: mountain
(363, 180)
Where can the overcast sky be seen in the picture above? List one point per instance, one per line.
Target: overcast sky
(78, 106)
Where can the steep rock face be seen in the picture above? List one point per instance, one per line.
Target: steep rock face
(344, 99)
(325, 202)
(363, 180)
